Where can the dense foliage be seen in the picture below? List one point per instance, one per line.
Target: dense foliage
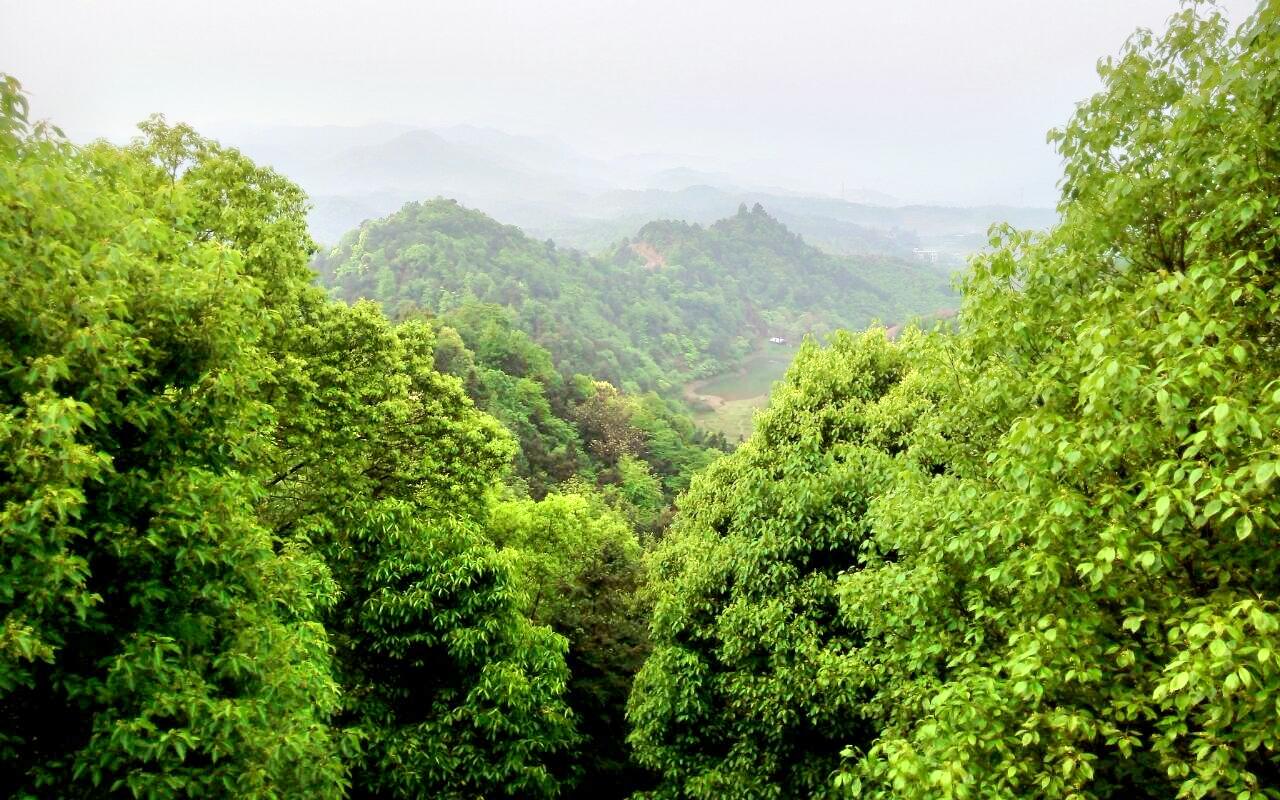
(1037, 557)
(384, 466)
(580, 564)
(679, 301)
(155, 641)
(243, 526)
(744, 694)
(259, 543)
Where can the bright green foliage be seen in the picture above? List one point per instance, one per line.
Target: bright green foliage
(745, 694)
(1036, 558)
(512, 378)
(1111, 611)
(235, 202)
(580, 567)
(253, 546)
(155, 642)
(674, 448)
(384, 466)
(243, 526)
(638, 493)
(381, 466)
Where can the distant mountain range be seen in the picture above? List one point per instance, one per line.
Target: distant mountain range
(552, 191)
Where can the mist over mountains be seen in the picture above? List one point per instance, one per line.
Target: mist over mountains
(553, 191)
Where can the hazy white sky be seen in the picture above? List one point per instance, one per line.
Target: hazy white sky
(945, 100)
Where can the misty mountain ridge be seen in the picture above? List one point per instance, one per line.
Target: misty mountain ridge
(551, 190)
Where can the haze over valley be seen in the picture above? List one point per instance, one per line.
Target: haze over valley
(552, 191)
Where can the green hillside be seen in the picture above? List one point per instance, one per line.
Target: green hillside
(677, 302)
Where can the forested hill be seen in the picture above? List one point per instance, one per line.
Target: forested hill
(497, 301)
(678, 301)
(777, 283)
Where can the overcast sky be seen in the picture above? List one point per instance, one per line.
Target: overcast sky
(928, 100)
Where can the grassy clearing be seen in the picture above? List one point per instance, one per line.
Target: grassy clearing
(754, 378)
(733, 419)
(737, 395)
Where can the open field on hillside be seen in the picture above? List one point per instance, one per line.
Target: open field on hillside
(728, 402)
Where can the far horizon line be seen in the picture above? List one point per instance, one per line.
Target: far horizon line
(220, 130)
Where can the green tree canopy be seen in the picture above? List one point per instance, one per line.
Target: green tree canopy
(246, 524)
(1036, 557)
(156, 642)
(1112, 612)
(385, 467)
(746, 692)
(580, 568)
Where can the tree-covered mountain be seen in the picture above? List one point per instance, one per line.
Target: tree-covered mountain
(678, 301)
(833, 224)
(751, 275)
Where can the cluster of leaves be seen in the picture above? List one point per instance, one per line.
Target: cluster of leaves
(244, 527)
(154, 641)
(1036, 557)
(680, 301)
(581, 565)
